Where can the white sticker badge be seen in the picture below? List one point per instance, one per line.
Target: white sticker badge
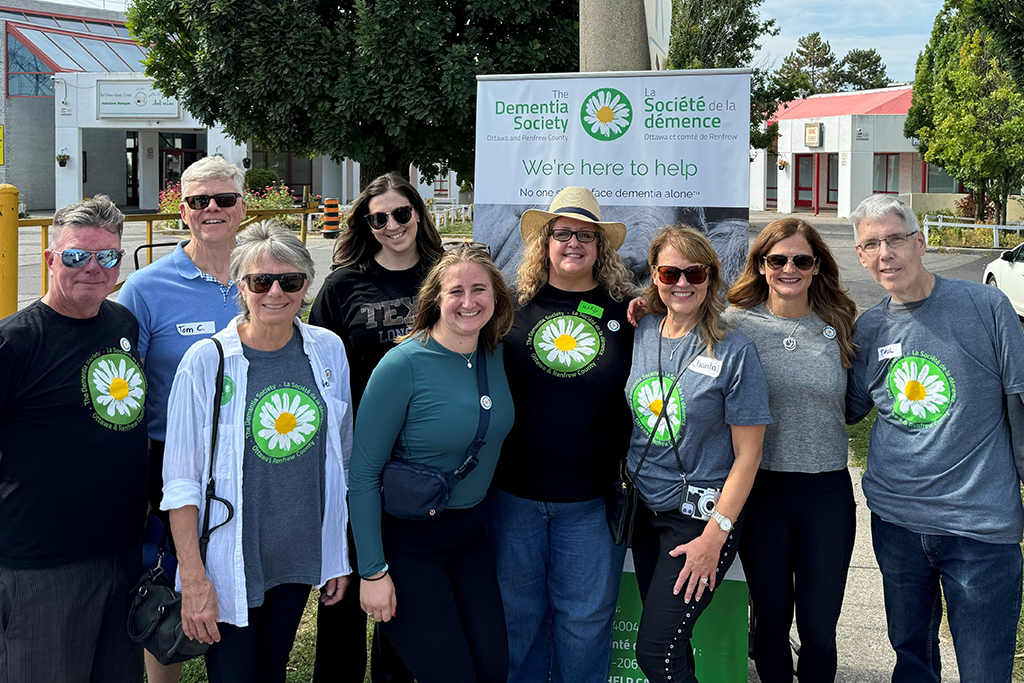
(890, 351)
(189, 329)
(485, 402)
(125, 344)
(707, 366)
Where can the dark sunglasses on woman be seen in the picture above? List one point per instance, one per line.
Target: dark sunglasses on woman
(379, 220)
(695, 275)
(801, 261)
(76, 258)
(260, 283)
(225, 200)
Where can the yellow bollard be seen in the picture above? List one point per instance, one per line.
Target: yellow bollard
(8, 250)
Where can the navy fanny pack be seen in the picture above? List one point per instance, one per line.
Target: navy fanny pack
(411, 490)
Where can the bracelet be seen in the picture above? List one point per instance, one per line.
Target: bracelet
(384, 572)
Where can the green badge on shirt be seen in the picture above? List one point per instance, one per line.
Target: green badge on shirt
(590, 309)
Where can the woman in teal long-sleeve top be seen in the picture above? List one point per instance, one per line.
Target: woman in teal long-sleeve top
(431, 582)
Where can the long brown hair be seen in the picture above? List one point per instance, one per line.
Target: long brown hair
(610, 272)
(693, 246)
(356, 244)
(428, 312)
(826, 294)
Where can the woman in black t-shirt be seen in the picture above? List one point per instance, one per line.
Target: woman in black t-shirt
(388, 246)
(567, 358)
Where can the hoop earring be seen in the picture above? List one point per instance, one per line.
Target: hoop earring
(547, 262)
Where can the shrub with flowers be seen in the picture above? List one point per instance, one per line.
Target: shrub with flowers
(273, 196)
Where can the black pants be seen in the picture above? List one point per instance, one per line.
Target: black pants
(258, 653)
(449, 625)
(796, 552)
(663, 648)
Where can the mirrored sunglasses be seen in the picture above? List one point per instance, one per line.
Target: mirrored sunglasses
(379, 220)
(695, 275)
(76, 258)
(224, 200)
(582, 236)
(260, 283)
(801, 261)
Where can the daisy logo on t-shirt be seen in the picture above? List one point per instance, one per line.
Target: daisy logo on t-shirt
(283, 423)
(648, 400)
(116, 388)
(566, 345)
(921, 390)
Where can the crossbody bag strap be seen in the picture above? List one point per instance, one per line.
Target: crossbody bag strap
(211, 484)
(671, 436)
(484, 422)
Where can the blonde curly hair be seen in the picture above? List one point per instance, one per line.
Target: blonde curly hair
(609, 270)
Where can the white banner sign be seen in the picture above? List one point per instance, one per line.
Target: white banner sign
(133, 100)
(670, 138)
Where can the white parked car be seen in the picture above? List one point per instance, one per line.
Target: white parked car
(1007, 273)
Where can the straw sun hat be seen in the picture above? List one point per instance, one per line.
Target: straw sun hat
(573, 202)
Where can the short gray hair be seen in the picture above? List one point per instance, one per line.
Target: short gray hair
(212, 168)
(877, 207)
(98, 212)
(271, 240)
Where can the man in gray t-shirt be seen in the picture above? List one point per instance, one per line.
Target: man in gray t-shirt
(943, 361)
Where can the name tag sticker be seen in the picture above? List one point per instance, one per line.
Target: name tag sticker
(890, 351)
(590, 309)
(189, 329)
(707, 366)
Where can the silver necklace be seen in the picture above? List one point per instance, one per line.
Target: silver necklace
(788, 342)
(468, 357)
(672, 352)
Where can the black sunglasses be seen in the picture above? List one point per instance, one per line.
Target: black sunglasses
(224, 200)
(801, 261)
(76, 258)
(582, 236)
(379, 220)
(260, 283)
(695, 275)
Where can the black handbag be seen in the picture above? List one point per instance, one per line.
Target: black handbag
(411, 490)
(621, 501)
(154, 619)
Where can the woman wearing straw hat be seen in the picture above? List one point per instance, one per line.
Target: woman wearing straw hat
(567, 358)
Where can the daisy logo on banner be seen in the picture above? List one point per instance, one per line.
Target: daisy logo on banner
(283, 424)
(921, 390)
(117, 389)
(606, 114)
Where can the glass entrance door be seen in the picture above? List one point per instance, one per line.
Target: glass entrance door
(804, 179)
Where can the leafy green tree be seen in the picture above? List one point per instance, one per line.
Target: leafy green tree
(978, 115)
(861, 70)
(812, 67)
(1004, 21)
(384, 82)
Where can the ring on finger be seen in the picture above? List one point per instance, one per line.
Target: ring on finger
(704, 580)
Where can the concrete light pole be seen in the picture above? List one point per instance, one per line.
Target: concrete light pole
(613, 36)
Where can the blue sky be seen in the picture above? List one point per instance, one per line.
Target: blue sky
(897, 29)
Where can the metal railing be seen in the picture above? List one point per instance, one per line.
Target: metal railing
(941, 222)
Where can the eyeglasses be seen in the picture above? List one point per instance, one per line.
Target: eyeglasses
(564, 235)
(260, 283)
(379, 220)
(225, 200)
(76, 258)
(695, 275)
(453, 246)
(801, 261)
(894, 241)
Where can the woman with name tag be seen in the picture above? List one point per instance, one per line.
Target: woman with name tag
(569, 349)
(799, 534)
(700, 406)
(280, 422)
(387, 248)
(428, 434)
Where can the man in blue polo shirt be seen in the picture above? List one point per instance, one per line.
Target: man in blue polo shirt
(181, 299)
(943, 360)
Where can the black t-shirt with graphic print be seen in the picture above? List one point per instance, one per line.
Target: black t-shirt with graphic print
(567, 359)
(368, 310)
(73, 448)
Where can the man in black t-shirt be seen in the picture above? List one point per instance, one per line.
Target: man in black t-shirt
(72, 464)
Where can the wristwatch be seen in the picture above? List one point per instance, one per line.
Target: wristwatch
(723, 522)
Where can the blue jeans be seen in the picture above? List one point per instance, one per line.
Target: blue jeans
(982, 586)
(559, 575)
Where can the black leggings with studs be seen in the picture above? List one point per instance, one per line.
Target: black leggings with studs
(663, 648)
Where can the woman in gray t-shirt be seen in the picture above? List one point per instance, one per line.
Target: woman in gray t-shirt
(799, 531)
